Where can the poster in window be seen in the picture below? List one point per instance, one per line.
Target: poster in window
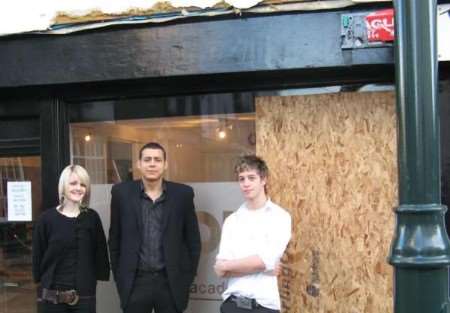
(19, 201)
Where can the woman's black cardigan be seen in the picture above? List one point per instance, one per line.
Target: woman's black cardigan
(49, 246)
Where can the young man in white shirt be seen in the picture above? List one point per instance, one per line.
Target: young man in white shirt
(253, 240)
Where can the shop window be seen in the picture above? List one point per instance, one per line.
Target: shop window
(90, 152)
(17, 289)
(203, 137)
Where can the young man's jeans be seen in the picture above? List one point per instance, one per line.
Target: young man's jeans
(230, 307)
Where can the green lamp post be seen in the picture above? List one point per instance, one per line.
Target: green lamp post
(420, 251)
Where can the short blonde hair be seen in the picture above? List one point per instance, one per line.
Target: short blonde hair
(84, 178)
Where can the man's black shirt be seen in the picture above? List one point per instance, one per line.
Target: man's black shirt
(151, 257)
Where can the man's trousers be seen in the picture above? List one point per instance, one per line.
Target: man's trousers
(151, 291)
(230, 307)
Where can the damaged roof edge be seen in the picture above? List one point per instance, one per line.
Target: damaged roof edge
(66, 22)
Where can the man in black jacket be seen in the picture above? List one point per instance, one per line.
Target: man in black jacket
(154, 240)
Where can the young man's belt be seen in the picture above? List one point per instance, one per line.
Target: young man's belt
(69, 297)
(244, 302)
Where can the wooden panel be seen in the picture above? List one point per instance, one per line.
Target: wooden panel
(74, 15)
(333, 166)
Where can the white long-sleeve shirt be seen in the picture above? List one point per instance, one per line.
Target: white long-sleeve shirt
(264, 232)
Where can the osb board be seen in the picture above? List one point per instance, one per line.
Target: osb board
(333, 166)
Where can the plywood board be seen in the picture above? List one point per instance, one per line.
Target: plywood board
(333, 166)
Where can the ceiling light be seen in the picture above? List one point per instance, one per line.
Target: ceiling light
(222, 134)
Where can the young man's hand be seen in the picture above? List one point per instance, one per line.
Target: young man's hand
(277, 269)
(220, 268)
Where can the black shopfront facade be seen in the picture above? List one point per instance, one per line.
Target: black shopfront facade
(58, 91)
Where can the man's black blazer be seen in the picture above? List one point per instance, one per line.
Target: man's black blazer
(181, 238)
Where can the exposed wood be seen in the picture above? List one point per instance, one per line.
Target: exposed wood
(333, 165)
(96, 15)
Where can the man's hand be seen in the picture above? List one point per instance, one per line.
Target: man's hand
(277, 269)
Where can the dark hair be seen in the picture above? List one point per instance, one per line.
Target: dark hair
(252, 162)
(152, 145)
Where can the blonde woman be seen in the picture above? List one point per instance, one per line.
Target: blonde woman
(69, 249)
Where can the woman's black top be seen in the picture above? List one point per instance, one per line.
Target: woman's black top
(52, 241)
(66, 269)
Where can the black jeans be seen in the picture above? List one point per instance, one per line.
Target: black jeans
(83, 306)
(230, 307)
(151, 291)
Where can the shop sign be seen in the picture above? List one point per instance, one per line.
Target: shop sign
(377, 29)
(380, 26)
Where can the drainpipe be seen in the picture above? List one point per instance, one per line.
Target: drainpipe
(420, 250)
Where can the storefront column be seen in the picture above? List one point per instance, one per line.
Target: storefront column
(420, 251)
(55, 150)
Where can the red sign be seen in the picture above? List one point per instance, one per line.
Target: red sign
(380, 25)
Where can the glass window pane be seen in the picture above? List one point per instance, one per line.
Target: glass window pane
(200, 149)
(203, 136)
(17, 290)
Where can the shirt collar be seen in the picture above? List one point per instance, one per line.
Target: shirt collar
(266, 207)
(141, 186)
(142, 189)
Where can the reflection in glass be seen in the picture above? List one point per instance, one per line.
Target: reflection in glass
(201, 152)
(200, 148)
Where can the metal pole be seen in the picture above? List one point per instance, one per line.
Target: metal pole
(420, 251)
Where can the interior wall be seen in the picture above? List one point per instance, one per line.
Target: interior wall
(333, 166)
(194, 150)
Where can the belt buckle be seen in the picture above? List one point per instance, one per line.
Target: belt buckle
(69, 297)
(76, 298)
